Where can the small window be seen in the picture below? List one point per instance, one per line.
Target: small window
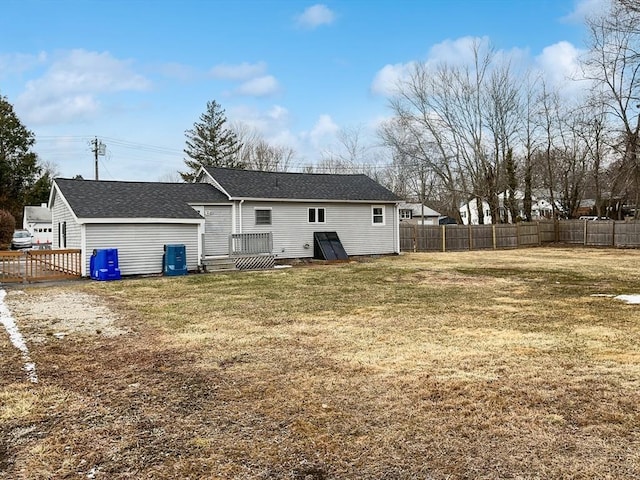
(316, 215)
(406, 214)
(377, 215)
(263, 217)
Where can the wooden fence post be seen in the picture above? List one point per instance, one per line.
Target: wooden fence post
(414, 237)
(613, 233)
(444, 238)
(585, 232)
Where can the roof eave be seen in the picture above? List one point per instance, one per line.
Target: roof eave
(310, 200)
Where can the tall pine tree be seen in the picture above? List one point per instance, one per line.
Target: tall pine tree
(211, 143)
(18, 164)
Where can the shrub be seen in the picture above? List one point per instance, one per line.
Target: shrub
(7, 227)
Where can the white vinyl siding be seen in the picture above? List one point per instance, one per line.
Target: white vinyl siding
(352, 221)
(141, 246)
(217, 229)
(263, 216)
(61, 214)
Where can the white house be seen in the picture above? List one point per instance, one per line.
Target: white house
(37, 220)
(139, 218)
(540, 209)
(418, 213)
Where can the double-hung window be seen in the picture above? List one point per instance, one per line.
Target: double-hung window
(377, 215)
(316, 215)
(406, 214)
(263, 216)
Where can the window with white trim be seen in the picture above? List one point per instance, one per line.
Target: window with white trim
(377, 215)
(263, 216)
(316, 215)
(406, 214)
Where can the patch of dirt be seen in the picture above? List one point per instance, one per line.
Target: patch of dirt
(62, 314)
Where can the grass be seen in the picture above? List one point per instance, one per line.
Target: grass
(459, 365)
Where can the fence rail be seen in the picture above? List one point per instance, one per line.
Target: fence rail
(250, 244)
(426, 238)
(40, 265)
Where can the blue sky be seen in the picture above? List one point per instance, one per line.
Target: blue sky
(136, 74)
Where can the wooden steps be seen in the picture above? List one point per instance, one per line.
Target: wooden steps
(222, 264)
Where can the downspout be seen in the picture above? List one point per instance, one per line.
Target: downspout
(83, 250)
(240, 214)
(396, 228)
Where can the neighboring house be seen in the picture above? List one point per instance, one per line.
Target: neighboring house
(417, 213)
(139, 218)
(37, 220)
(540, 209)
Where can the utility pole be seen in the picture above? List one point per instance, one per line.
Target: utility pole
(98, 149)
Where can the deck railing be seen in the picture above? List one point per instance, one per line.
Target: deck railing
(40, 265)
(246, 244)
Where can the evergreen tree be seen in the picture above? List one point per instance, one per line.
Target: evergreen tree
(18, 164)
(211, 143)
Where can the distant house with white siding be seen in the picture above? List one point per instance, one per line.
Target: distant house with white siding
(540, 209)
(37, 220)
(418, 213)
(139, 218)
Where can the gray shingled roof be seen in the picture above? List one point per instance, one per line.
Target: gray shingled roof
(111, 199)
(301, 186)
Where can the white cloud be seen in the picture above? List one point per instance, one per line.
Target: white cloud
(323, 131)
(19, 62)
(258, 87)
(458, 51)
(586, 8)
(388, 78)
(242, 71)
(560, 64)
(268, 123)
(278, 113)
(69, 89)
(452, 52)
(315, 16)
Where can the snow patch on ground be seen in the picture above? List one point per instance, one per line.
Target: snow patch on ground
(16, 338)
(631, 299)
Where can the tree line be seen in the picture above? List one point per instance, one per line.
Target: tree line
(483, 131)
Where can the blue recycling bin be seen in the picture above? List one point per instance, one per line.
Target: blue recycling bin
(174, 260)
(104, 264)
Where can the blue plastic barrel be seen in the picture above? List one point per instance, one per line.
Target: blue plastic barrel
(104, 264)
(174, 260)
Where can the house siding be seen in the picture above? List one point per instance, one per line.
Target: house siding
(217, 228)
(352, 221)
(141, 246)
(61, 214)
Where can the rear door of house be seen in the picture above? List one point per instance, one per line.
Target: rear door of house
(217, 228)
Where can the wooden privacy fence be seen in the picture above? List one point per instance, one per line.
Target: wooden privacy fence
(443, 238)
(40, 265)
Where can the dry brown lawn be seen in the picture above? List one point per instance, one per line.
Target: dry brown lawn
(478, 365)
